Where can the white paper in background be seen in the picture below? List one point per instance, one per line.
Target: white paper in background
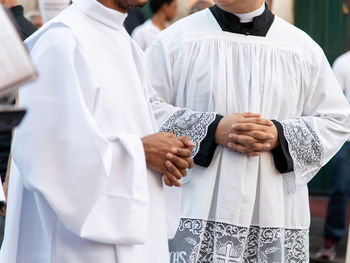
(15, 66)
(2, 195)
(51, 8)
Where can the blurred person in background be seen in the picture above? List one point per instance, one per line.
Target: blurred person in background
(200, 5)
(335, 224)
(163, 12)
(133, 20)
(51, 8)
(35, 18)
(30, 5)
(269, 4)
(25, 27)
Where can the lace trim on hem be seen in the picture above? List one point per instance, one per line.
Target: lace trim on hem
(189, 123)
(214, 242)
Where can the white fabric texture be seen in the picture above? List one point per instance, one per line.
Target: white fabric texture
(80, 191)
(341, 69)
(144, 34)
(284, 76)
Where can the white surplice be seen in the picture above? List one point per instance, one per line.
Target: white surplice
(80, 191)
(240, 208)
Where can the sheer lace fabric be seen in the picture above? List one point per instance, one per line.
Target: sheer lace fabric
(201, 241)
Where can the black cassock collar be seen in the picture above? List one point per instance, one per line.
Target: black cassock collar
(231, 23)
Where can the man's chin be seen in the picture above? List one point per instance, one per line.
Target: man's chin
(130, 4)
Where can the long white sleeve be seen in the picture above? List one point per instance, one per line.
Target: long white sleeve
(96, 185)
(321, 130)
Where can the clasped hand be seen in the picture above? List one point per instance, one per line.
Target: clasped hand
(247, 133)
(169, 155)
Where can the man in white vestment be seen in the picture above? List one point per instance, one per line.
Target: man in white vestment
(163, 12)
(238, 57)
(86, 167)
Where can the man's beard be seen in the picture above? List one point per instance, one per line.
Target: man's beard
(130, 4)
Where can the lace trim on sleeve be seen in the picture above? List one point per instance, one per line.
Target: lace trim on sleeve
(305, 149)
(189, 123)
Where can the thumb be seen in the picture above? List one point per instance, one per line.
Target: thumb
(186, 141)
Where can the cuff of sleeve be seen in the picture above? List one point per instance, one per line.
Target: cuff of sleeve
(208, 145)
(115, 217)
(282, 158)
(117, 220)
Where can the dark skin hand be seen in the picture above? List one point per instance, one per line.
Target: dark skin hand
(169, 155)
(179, 159)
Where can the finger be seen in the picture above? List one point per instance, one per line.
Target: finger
(256, 121)
(183, 172)
(167, 134)
(167, 181)
(250, 115)
(239, 148)
(172, 179)
(250, 142)
(190, 162)
(182, 163)
(255, 135)
(174, 171)
(260, 147)
(242, 139)
(259, 135)
(181, 152)
(186, 141)
(248, 127)
(177, 161)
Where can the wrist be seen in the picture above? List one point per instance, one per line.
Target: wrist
(145, 145)
(219, 133)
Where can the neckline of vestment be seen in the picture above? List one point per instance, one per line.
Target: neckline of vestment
(101, 13)
(232, 23)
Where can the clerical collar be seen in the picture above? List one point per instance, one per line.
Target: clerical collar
(229, 22)
(248, 17)
(101, 13)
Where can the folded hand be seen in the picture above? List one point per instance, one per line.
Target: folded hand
(247, 133)
(169, 155)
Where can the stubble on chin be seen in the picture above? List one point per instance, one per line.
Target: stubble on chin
(130, 4)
